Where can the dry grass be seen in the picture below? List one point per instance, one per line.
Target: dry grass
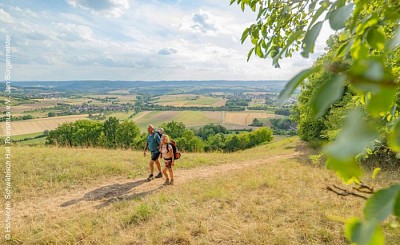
(273, 202)
(279, 202)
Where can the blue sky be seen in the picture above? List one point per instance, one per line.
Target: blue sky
(135, 40)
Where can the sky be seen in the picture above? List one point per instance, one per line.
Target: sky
(133, 40)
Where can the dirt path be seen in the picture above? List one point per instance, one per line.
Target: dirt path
(119, 188)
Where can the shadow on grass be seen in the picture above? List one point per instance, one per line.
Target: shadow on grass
(111, 194)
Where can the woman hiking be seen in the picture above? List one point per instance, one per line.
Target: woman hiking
(167, 153)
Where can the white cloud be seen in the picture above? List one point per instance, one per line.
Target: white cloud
(167, 51)
(202, 22)
(5, 17)
(108, 8)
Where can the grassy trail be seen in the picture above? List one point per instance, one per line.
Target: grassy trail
(267, 195)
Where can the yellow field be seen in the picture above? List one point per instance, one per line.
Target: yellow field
(190, 100)
(38, 125)
(230, 120)
(245, 118)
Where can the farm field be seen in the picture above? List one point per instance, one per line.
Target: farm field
(120, 98)
(190, 100)
(39, 125)
(231, 120)
(189, 118)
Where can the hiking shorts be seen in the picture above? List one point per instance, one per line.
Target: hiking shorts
(168, 162)
(155, 155)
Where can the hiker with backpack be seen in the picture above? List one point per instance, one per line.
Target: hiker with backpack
(153, 144)
(168, 153)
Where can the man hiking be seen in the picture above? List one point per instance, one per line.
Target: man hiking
(153, 144)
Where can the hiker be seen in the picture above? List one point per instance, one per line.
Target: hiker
(153, 144)
(169, 158)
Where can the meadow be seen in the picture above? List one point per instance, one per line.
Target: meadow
(270, 194)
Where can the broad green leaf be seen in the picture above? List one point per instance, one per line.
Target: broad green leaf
(310, 38)
(245, 35)
(376, 39)
(381, 101)
(338, 17)
(364, 233)
(259, 52)
(345, 169)
(369, 21)
(327, 94)
(353, 139)
(394, 137)
(344, 49)
(293, 84)
(375, 70)
(396, 209)
(359, 50)
(381, 204)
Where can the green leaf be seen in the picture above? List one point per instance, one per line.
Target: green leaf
(294, 37)
(310, 38)
(394, 137)
(381, 101)
(338, 17)
(375, 173)
(245, 35)
(367, 233)
(327, 94)
(249, 54)
(396, 209)
(355, 136)
(293, 84)
(259, 52)
(346, 170)
(381, 204)
(359, 50)
(344, 49)
(376, 39)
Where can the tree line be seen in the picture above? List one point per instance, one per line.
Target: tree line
(114, 133)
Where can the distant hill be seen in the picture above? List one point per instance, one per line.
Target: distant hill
(154, 86)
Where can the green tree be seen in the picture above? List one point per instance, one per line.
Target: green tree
(110, 131)
(366, 61)
(174, 129)
(126, 133)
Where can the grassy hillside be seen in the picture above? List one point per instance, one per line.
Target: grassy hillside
(270, 194)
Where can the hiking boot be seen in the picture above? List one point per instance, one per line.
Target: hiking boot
(167, 182)
(171, 182)
(159, 175)
(150, 178)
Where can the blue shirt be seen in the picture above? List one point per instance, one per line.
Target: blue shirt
(153, 141)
